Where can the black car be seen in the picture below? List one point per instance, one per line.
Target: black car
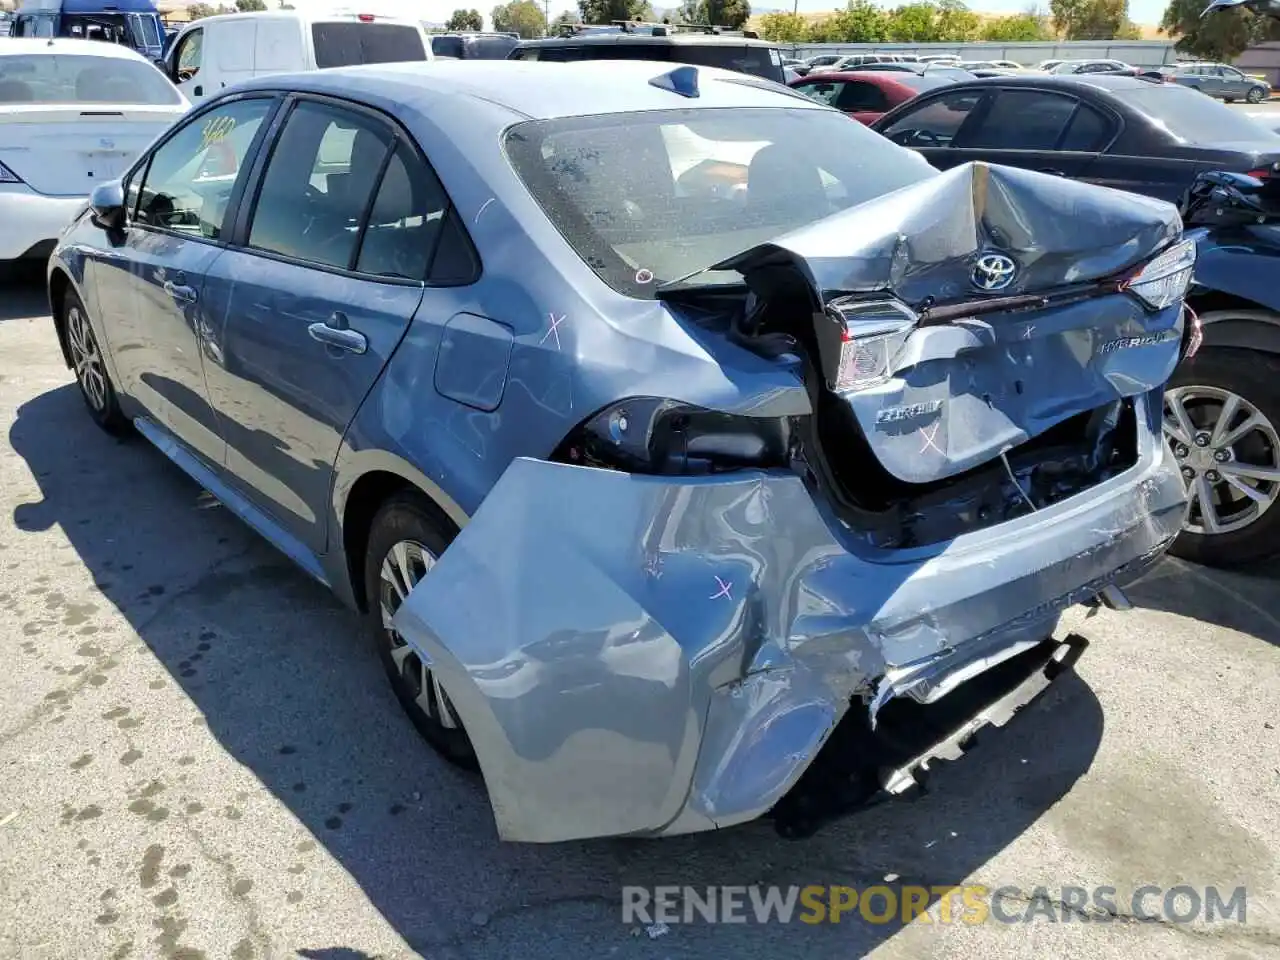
(474, 45)
(740, 53)
(1125, 132)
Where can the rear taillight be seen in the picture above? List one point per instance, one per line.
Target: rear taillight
(1164, 280)
(8, 176)
(1262, 173)
(365, 17)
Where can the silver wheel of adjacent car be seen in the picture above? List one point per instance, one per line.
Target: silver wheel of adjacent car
(1255, 94)
(405, 564)
(1229, 453)
(87, 359)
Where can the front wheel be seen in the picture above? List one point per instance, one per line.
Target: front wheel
(405, 540)
(90, 367)
(1221, 411)
(1255, 94)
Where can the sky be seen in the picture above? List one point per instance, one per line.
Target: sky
(437, 11)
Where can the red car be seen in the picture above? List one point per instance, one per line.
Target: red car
(866, 95)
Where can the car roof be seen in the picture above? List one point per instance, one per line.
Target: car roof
(702, 39)
(301, 16)
(533, 90)
(67, 47)
(1075, 81)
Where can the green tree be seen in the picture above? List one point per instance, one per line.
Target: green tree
(956, 21)
(1018, 28)
(251, 6)
(464, 20)
(1222, 36)
(724, 13)
(198, 11)
(784, 27)
(606, 11)
(520, 16)
(914, 23)
(1089, 19)
(859, 22)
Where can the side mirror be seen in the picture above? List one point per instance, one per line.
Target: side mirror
(108, 207)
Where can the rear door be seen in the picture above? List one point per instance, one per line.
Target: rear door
(1037, 130)
(325, 277)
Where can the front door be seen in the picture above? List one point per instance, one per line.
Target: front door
(314, 300)
(182, 196)
(930, 125)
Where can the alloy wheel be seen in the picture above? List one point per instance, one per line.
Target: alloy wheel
(405, 564)
(86, 359)
(1229, 454)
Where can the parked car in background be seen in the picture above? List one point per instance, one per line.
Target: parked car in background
(1047, 65)
(473, 45)
(6, 23)
(939, 58)
(1221, 81)
(131, 23)
(1074, 67)
(822, 60)
(973, 65)
(1123, 132)
(72, 113)
(936, 69)
(215, 52)
(574, 430)
(742, 54)
(866, 96)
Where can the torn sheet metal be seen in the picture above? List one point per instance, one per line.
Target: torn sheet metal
(647, 655)
(951, 397)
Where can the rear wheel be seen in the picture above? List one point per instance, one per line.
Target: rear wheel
(1221, 416)
(1255, 94)
(405, 540)
(90, 367)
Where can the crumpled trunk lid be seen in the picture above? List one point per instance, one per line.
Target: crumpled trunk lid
(957, 393)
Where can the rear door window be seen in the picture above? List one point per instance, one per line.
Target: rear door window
(317, 218)
(757, 61)
(344, 44)
(1089, 130)
(1022, 120)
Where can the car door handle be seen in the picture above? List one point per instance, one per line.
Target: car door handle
(180, 291)
(198, 91)
(337, 332)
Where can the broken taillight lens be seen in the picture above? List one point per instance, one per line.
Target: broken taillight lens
(1164, 280)
(871, 333)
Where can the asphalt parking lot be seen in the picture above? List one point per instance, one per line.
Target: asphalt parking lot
(198, 759)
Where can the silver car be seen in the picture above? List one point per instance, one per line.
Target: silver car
(692, 453)
(1221, 81)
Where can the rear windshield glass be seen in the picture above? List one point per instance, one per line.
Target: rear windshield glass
(343, 44)
(49, 78)
(1194, 118)
(758, 61)
(489, 48)
(650, 197)
(447, 47)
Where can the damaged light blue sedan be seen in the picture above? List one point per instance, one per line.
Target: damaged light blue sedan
(694, 454)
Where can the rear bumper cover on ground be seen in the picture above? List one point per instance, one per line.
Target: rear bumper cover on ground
(648, 655)
(29, 219)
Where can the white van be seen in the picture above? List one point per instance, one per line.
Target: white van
(215, 52)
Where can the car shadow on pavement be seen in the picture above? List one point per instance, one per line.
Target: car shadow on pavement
(273, 665)
(22, 293)
(1245, 600)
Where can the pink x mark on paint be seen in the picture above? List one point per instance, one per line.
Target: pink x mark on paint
(723, 591)
(930, 438)
(552, 331)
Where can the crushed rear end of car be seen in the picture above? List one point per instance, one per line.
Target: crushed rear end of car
(691, 617)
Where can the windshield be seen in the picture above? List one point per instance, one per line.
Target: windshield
(1194, 118)
(647, 198)
(345, 44)
(50, 78)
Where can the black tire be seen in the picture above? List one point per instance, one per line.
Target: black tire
(1255, 94)
(94, 382)
(411, 517)
(1253, 376)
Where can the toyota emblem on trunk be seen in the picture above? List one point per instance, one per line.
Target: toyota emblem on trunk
(993, 271)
